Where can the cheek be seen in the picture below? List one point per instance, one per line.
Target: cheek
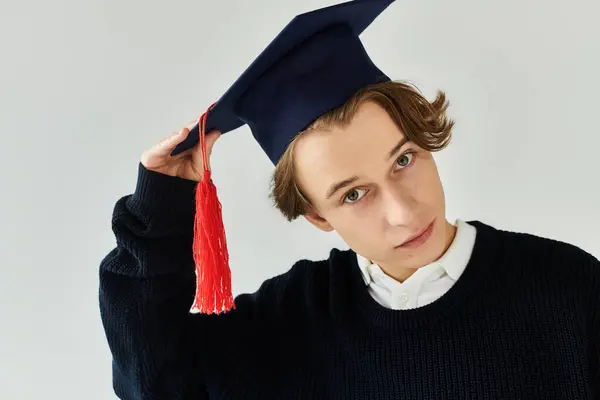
(426, 183)
(363, 235)
(366, 228)
(354, 224)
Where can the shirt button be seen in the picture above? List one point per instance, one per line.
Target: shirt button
(403, 298)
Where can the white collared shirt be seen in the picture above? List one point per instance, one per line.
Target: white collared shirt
(427, 283)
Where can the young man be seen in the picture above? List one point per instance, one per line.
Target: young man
(417, 308)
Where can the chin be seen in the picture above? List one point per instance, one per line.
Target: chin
(427, 252)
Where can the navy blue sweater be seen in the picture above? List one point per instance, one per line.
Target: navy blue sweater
(522, 322)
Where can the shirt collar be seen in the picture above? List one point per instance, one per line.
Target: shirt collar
(453, 261)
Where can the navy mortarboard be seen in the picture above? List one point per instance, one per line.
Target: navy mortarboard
(313, 66)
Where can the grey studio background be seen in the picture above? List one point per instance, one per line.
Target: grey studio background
(86, 86)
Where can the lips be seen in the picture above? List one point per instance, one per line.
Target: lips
(422, 236)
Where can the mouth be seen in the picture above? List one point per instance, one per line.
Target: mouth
(419, 239)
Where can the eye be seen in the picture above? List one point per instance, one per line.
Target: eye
(354, 195)
(405, 160)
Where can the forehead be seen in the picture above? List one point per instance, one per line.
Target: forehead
(366, 140)
(360, 148)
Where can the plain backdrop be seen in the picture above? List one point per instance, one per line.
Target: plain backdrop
(87, 85)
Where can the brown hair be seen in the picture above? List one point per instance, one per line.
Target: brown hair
(424, 123)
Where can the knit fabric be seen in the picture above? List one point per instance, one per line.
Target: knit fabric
(522, 321)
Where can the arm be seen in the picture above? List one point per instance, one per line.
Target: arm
(595, 300)
(147, 285)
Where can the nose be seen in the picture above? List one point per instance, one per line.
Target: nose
(399, 206)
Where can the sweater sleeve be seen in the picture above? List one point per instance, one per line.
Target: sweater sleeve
(595, 305)
(147, 285)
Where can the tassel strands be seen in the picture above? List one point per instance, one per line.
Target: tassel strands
(211, 257)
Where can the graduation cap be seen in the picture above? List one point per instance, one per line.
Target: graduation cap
(312, 66)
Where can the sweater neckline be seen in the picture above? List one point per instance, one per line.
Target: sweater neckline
(478, 269)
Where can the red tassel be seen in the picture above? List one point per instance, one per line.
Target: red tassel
(213, 276)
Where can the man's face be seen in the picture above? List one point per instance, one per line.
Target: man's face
(374, 188)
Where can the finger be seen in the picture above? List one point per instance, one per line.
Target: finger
(167, 144)
(211, 138)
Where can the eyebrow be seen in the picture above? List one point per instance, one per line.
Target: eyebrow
(339, 185)
(397, 148)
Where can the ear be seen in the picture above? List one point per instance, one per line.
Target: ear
(315, 218)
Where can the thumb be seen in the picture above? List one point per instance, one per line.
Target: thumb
(211, 138)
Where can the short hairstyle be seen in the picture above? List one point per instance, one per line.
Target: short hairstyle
(424, 123)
